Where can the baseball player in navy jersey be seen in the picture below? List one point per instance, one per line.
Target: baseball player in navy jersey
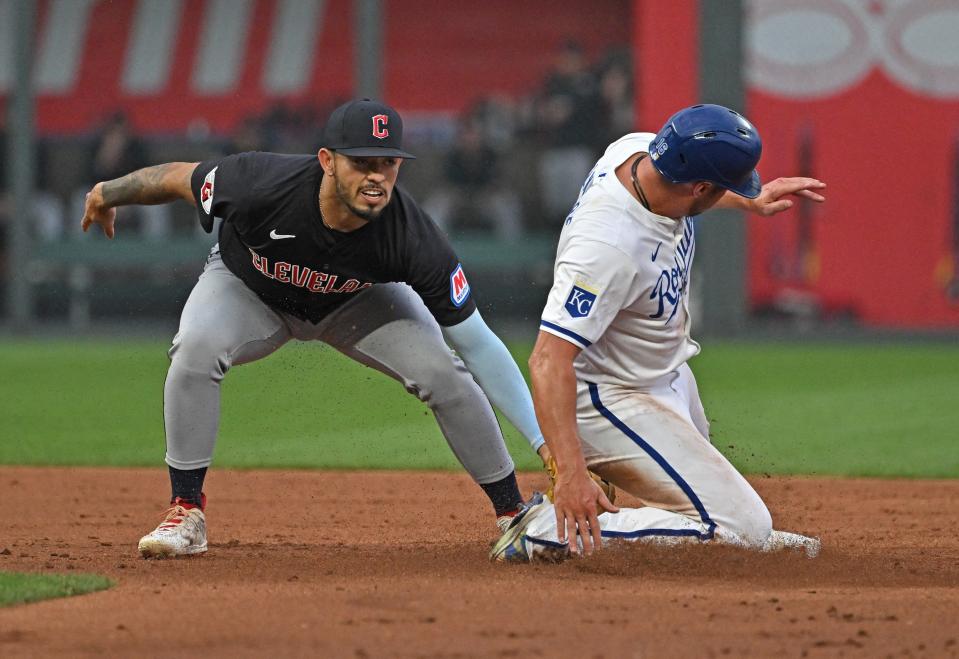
(611, 385)
(323, 247)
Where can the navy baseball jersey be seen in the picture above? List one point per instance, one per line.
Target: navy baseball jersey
(273, 238)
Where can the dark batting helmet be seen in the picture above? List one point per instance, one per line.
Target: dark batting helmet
(709, 143)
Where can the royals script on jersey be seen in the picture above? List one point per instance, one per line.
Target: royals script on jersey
(621, 280)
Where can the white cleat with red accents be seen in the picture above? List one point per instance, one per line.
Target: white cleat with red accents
(181, 533)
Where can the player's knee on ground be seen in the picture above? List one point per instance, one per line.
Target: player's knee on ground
(749, 524)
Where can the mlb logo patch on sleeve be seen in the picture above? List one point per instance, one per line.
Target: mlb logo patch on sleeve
(580, 301)
(206, 192)
(459, 287)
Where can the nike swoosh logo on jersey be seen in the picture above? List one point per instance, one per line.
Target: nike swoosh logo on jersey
(280, 236)
(656, 253)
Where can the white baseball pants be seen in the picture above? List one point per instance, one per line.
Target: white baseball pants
(654, 444)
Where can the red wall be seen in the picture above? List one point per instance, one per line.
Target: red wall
(881, 246)
(667, 76)
(884, 138)
(874, 111)
(439, 56)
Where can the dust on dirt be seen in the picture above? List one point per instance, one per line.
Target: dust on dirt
(369, 564)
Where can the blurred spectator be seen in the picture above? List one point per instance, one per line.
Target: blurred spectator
(496, 119)
(4, 173)
(46, 222)
(4, 196)
(616, 94)
(292, 129)
(117, 151)
(568, 119)
(249, 136)
(473, 192)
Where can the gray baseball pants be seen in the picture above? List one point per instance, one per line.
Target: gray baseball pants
(386, 327)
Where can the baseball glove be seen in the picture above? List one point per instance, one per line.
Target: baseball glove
(608, 488)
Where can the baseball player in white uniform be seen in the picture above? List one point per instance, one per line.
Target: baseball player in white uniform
(612, 389)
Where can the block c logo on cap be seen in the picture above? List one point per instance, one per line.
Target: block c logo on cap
(379, 126)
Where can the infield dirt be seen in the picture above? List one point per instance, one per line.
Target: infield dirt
(393, 564)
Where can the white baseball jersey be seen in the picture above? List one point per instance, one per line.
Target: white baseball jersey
(621, 280)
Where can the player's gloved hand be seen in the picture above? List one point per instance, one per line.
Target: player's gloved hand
(578, 500)
(95, 211)
(608, 488)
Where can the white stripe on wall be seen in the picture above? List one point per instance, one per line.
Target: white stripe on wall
(61, 46)
(296, 27)
(150, 50)
(222, 49)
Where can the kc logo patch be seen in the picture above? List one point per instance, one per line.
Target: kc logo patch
(206, 191)
(459, 287)
(580, 302)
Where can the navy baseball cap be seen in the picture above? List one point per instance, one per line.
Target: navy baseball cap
(365, 128)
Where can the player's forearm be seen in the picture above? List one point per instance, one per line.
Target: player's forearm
(508, 392)
(733, 201)
(554, 397)
(497, 374)
(151, 185)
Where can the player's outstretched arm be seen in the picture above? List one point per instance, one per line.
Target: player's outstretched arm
(497, 374)
(149, 186)
(774, 196)
(576, 497)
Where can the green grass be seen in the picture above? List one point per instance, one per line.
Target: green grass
(19, 588)
(857, 409)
